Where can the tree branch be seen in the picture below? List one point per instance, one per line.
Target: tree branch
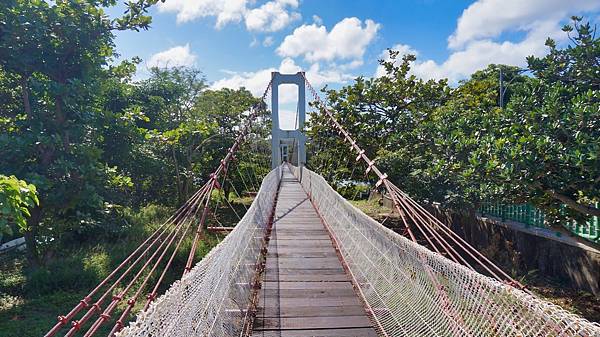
(589, 210)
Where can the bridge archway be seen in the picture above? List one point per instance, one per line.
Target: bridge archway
(289, 145)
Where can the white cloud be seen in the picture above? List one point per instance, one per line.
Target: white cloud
(257, 81)
(350, 65)
(489, 18)
(474, 42)
(173, 57)
(348, 39)
(268, 41)
(226, 11)
(478, 54)
(271, 16)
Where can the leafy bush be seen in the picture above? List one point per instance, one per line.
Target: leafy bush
(16, 197)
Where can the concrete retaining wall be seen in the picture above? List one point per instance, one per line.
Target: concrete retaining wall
(516, 247)
(519, 248)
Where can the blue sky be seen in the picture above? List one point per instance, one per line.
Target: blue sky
(239, 42)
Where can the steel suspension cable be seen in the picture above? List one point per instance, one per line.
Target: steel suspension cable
(85, 302)
(254, 112)
(399, 197)
(95, 307)
(171, 231)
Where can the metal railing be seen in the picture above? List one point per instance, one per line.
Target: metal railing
(531, 216)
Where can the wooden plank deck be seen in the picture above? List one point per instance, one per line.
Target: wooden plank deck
(305, 290)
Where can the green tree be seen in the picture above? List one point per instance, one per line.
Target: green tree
(57, 52)
(162, 106)
(382, 114)
(456, 146)
(547, 146)
(187, 128)
(226, 108)
(445, 164)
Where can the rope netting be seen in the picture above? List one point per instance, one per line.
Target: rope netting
(408, 289)
(215, 297)
(412, 291)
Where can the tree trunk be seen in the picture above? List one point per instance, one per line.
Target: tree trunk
(177, 178)
(30, 236)
(227, 189)
(61, 120)
(25, 95)
(186, 188)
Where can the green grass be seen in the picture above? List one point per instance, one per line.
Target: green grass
(32, 298)
(372, 208)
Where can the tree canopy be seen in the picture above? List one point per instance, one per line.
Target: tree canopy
(456, 146)
(91, 139)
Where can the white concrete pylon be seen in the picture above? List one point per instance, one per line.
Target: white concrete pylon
(278, 135)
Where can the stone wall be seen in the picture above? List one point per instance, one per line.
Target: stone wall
(519, 249)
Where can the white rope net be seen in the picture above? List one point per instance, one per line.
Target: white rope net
(412, 291)
(213, 298)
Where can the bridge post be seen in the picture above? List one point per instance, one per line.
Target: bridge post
(281, 137)
(275, 150)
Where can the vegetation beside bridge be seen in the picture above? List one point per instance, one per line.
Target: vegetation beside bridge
(99, 157)
(454, 144)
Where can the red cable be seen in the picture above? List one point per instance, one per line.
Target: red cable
(85, 302)
(390, 187)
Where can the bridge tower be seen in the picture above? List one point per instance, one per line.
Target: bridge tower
(288, 145)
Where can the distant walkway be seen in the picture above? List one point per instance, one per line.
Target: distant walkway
(305, 289)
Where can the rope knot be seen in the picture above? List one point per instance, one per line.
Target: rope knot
(76, 325)
(360, 153)
(370, 166)
(63, 319)
(85, 302)
(381, 180)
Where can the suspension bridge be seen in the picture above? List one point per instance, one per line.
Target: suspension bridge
(303, 261)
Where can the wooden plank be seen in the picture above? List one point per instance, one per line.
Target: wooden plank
(306, 277)
(284, 250)
(325, 322)
(296, 271)
(307, 285)
(311, 237)
(302, 254)
(308, 293)
(310, 311)
(302, 263)
(315, 302)
(305, 290)
(300, 244)
(295, 231)
(359, 332)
